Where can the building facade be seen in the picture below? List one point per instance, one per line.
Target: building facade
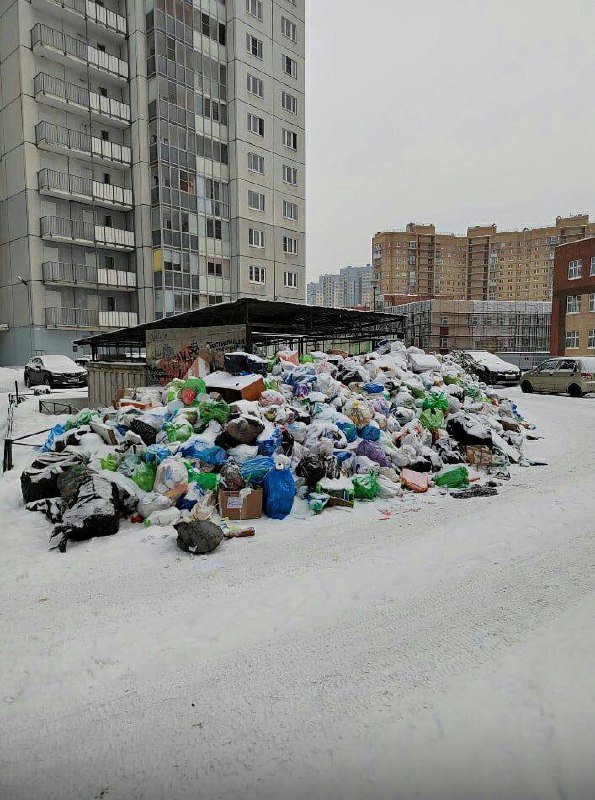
(151, 162)
(573, 305)
(441, 325)
(350, 288)
(485, 264)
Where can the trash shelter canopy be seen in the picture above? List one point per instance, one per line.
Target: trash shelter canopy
(267, 323)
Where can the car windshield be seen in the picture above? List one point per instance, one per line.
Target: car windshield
(58, 362)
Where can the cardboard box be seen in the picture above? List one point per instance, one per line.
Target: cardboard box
(235, 387)
(234, 505)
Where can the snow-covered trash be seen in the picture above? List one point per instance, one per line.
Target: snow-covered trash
(309, 432)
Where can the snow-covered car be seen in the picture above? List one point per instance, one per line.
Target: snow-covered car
(54, 371)
(489, 368)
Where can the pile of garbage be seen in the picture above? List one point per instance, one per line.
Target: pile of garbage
(329, 428)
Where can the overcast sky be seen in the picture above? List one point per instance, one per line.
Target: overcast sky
(455, 112)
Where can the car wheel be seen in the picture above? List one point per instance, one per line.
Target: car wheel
(575, 391)
(526, 387)
(47, 380)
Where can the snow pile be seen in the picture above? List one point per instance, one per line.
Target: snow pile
(328, 428)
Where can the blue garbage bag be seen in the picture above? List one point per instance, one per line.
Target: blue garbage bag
(279, 491)
(190, 499)
(201, 451)
(255, 470)
(371, 433)
(349, 430)
(266, 447)
(373, 388)
(57, 430)
(156, 453)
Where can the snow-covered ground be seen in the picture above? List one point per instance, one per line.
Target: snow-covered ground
(442, 650)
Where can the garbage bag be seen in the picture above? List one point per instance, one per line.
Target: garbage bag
(198, 536)
(279, 492)
(370, 432)
(156, 453)
(153, 502)
(317, 501)
(287, 443)
(191, 390)
(349, 430)
(433, 401)
(365, 487)
(255, 470)
(232, 479)
(93, 513)
(432, 419)
(312, 469)
(453, 478)
(144, 476)
(468, 429)
(244, 429)
(373, 388)
(171, 478)
(57, 430)
(207, 481)
(201, 451)
(271, 398)
(187, 501)
(146, 431)
(220, 412)
(110, 462)
(179, 431)
(374, 452)
(270, 444)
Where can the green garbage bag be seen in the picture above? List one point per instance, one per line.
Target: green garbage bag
(84, 417)
(449, 380)
(192, 390)
(110, 462)
(144, 476)
(365, 487)
(416, 392)
(306, 359)
(207, 481)
(453, 478)
(178, 431)
(220, 412)
(271, 383)
(432, 419)
(433, 400)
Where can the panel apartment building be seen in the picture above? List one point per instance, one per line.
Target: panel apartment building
(151, 162)
(486, 264)
(348, 288)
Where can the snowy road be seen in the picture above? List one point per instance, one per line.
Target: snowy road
(446, 652)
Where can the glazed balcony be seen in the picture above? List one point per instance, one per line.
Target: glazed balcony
(61, 317)
(86, 234)
(87, 12)
(83, 190)
(77, 99)
(58, 139)
(71, 51)
(64, 273)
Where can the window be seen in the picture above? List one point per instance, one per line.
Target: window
(444, 321)
(290, 175)
(256, 124)
(573, 304)
(105, 136)
(290, 245)
(289, 66)
(253, 45)
(214, 299)
(566, 365)
(592, 269)
(575, 269)
(254, 8)
(256, 238)
(214, 268)
(289, 29)
(290, 210)
(289, 103)
(255, 200)
(255, 85)
(290, 280)
(257, 275)
(572, 339)
(592, 302)
(290, 139)
(256, 163)
(443, 343)
(591, 339)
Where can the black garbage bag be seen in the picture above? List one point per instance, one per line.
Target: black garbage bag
(52, 507)
(468, 429)
(235, 363)
(449, 451)
(287, 442)
(70, 481)
(232, 479)
(474, 491)
(313, 468)
(198, 536)
(225, 441)
(244, 429)
(256, 365)
(146, 432)
(421, 464)
(40, 480)
(93, 513)
(71, 438)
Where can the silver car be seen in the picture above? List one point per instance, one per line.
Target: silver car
(560, 375)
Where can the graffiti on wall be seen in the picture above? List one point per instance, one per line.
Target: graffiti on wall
(171, 352)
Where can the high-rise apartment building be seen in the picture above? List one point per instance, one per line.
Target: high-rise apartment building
(151, 162)
(349, 288)
(486, 264)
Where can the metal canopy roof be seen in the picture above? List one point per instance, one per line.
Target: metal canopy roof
(262, 317)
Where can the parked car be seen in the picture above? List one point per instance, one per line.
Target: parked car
(54, 371)
(489, 368)
(560, 375)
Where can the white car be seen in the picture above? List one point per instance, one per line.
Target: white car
(489, 368)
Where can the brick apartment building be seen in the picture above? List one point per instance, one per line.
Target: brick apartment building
(573, 302)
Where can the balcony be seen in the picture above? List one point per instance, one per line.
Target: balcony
(60, 272)
(77, 99)
(70, 50)
(66, 141)
(62, 229)
(84, 190)
(87, 11)
(59, 317)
